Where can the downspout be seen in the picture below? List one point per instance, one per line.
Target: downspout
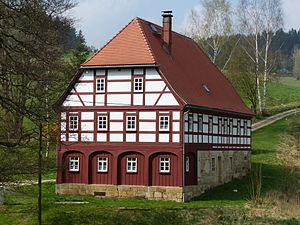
(183, 152)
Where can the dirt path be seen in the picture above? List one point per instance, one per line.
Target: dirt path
(22, 183)
(272, 119)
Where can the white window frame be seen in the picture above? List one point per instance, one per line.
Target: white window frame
(72, 126)
(100, 82)
(106, 124)
(138, 84)
(187, 164)
(131, 164)
(164, 164)
(74, 163)
(102, 164)
(130, 126)
(162, 120)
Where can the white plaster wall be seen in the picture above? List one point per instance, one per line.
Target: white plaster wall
(63, 126)
(154, 86)
(151, 73)
(63, 137)
(87, 116)
(87, 126)
(73, 136)
(116, 137)
(87, 75)
(100, 72)
(116, 74)
(116, 126)
(63, 116)
(101, 137)
(87, 100)
(147, 115)
(116, 115)
(130, 137)
(176, 138)
(72, 100)
(146, 137)
(86, 137)
(147, 126)
(167, 99)
(137, 99)
(138, 71)
(118, 86)
(119, 99)
(150, 99)
(99, 99)
(163, 137)
(176, 115)
(176, 126)
(84, 87)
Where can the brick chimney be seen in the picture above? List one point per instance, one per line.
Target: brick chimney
(167, 28)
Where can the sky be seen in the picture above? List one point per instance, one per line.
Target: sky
(100, 20)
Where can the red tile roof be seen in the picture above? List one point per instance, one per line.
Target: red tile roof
(186, 69)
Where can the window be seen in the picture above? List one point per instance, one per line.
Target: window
(164, 164)
(131, 123)
(213, 164)
(102, 164)
(164, 123)
(200, 125)
(102, 122)
(73, 123)
(231, 163)
(100, 85)
(210, 125)
(74, 163)
(187, 164)
(230, 127)
(245, 127)
(138, 84)
(239, 127)
(131, 164)
(191, 123)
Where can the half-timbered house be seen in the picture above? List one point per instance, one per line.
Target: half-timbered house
(150, 115)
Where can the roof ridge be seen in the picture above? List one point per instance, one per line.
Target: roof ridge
(146, 39)
(100, 49)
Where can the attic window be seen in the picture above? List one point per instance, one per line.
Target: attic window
(205, 88)
(153, 28)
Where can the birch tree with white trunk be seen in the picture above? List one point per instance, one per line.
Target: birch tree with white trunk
(212, 23)
(260, 18)
(272, 21)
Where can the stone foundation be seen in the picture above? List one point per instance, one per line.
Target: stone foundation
(228, 166)
(121, 191)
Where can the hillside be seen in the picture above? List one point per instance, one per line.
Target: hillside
(227, 204)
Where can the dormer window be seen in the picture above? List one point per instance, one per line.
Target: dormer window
(205, 88)
(138, 84)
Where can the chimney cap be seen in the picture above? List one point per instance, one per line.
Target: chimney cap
(167, 13)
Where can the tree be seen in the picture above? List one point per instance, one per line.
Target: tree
(296, 67)
(260, 19)
(212, 28)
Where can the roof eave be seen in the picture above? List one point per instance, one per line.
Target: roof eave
(117, 66)
(220, 110)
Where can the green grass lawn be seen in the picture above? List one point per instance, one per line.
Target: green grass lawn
(218, 206)
(283, 91)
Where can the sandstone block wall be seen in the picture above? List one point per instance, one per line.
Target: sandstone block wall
(122, 191)
(227, 166)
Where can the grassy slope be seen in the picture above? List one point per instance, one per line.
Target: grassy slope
(282, 91)
(221, 205)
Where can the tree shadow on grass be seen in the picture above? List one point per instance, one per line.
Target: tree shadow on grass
(273, 179)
